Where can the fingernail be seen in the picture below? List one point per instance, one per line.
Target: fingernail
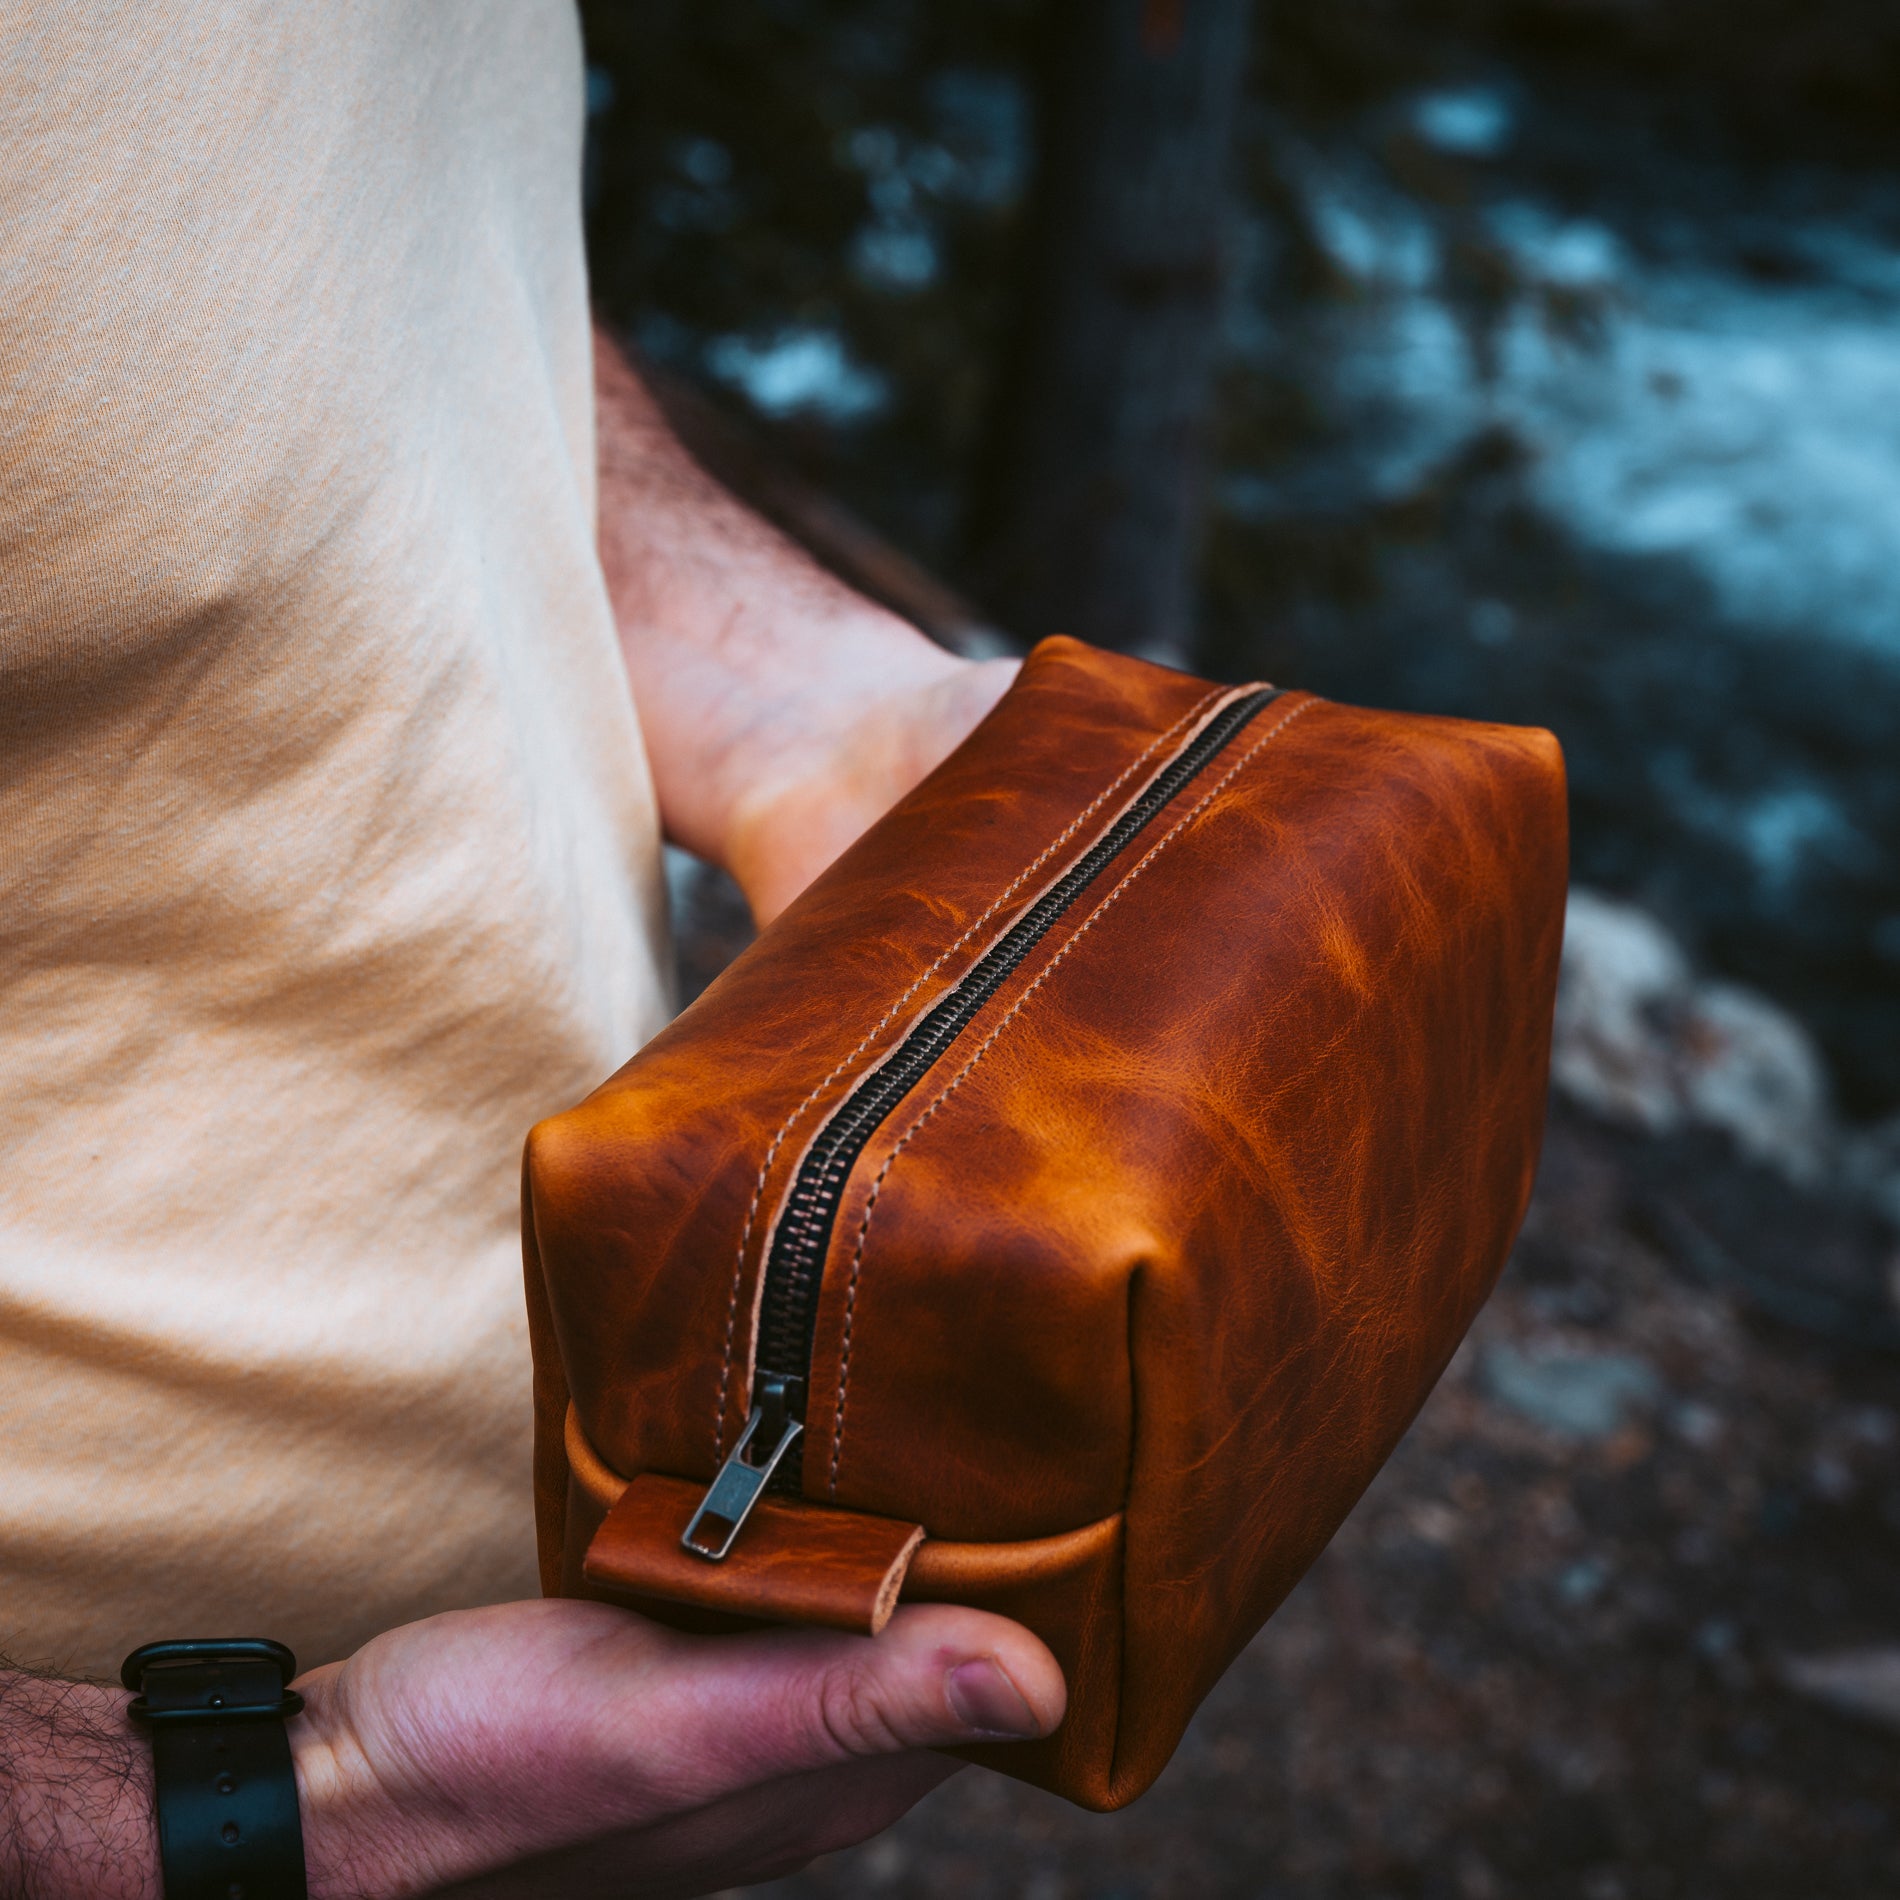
(987, 1703)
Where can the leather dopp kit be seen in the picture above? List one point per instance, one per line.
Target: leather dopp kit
(1064, 1207)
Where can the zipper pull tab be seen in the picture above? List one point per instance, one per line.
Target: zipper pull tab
(745, 1474)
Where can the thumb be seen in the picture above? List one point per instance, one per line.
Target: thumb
(786, 1701)
(482, 1739)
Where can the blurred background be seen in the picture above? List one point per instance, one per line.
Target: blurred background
(1524, 359)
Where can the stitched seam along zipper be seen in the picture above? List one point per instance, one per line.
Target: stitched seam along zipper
(795, 1256)
(989, 1041)
(996, 904)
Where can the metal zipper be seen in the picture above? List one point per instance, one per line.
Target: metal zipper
(767, 1453)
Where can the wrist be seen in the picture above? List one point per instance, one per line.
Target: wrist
(353, 1847)
(388, 1822)
(804, 802)
(76, 1818)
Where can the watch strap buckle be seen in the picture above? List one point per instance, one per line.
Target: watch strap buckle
(235, 1679)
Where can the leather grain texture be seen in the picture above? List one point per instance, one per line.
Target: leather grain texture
(1176, 1236)
(796, 1563)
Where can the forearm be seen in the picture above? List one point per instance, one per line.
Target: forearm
(782, 711)
(75, 1794)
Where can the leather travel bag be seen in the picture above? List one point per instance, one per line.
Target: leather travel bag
(1064, 1207)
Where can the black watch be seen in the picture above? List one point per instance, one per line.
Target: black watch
(228, 1827)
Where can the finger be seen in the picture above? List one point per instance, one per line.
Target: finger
(743, 1709)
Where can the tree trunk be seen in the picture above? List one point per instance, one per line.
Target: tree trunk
(1087, 511)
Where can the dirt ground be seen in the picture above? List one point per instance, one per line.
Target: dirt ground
(1550, 1654)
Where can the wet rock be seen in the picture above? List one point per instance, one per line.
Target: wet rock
(1624, 978)
(1863, 1683)
(1641, 1041)
(1743, 1175)
(1575, 1395)
(1750, 1068)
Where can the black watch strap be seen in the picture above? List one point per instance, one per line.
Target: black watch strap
(228, 1827)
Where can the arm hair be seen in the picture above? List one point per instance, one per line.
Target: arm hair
(76, 1817)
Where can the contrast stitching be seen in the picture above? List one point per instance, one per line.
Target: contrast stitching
(778, 1140)
(1009, 1016)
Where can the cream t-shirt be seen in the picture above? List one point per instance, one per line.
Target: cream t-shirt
(328, 855)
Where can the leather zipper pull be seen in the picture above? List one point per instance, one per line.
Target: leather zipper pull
(797, 1562)
(745, 1474)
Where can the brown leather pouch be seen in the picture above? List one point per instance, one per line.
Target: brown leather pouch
(1065, 1206)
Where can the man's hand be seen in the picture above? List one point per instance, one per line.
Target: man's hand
(573, 1749)
(782, 712)
(565, 1749)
